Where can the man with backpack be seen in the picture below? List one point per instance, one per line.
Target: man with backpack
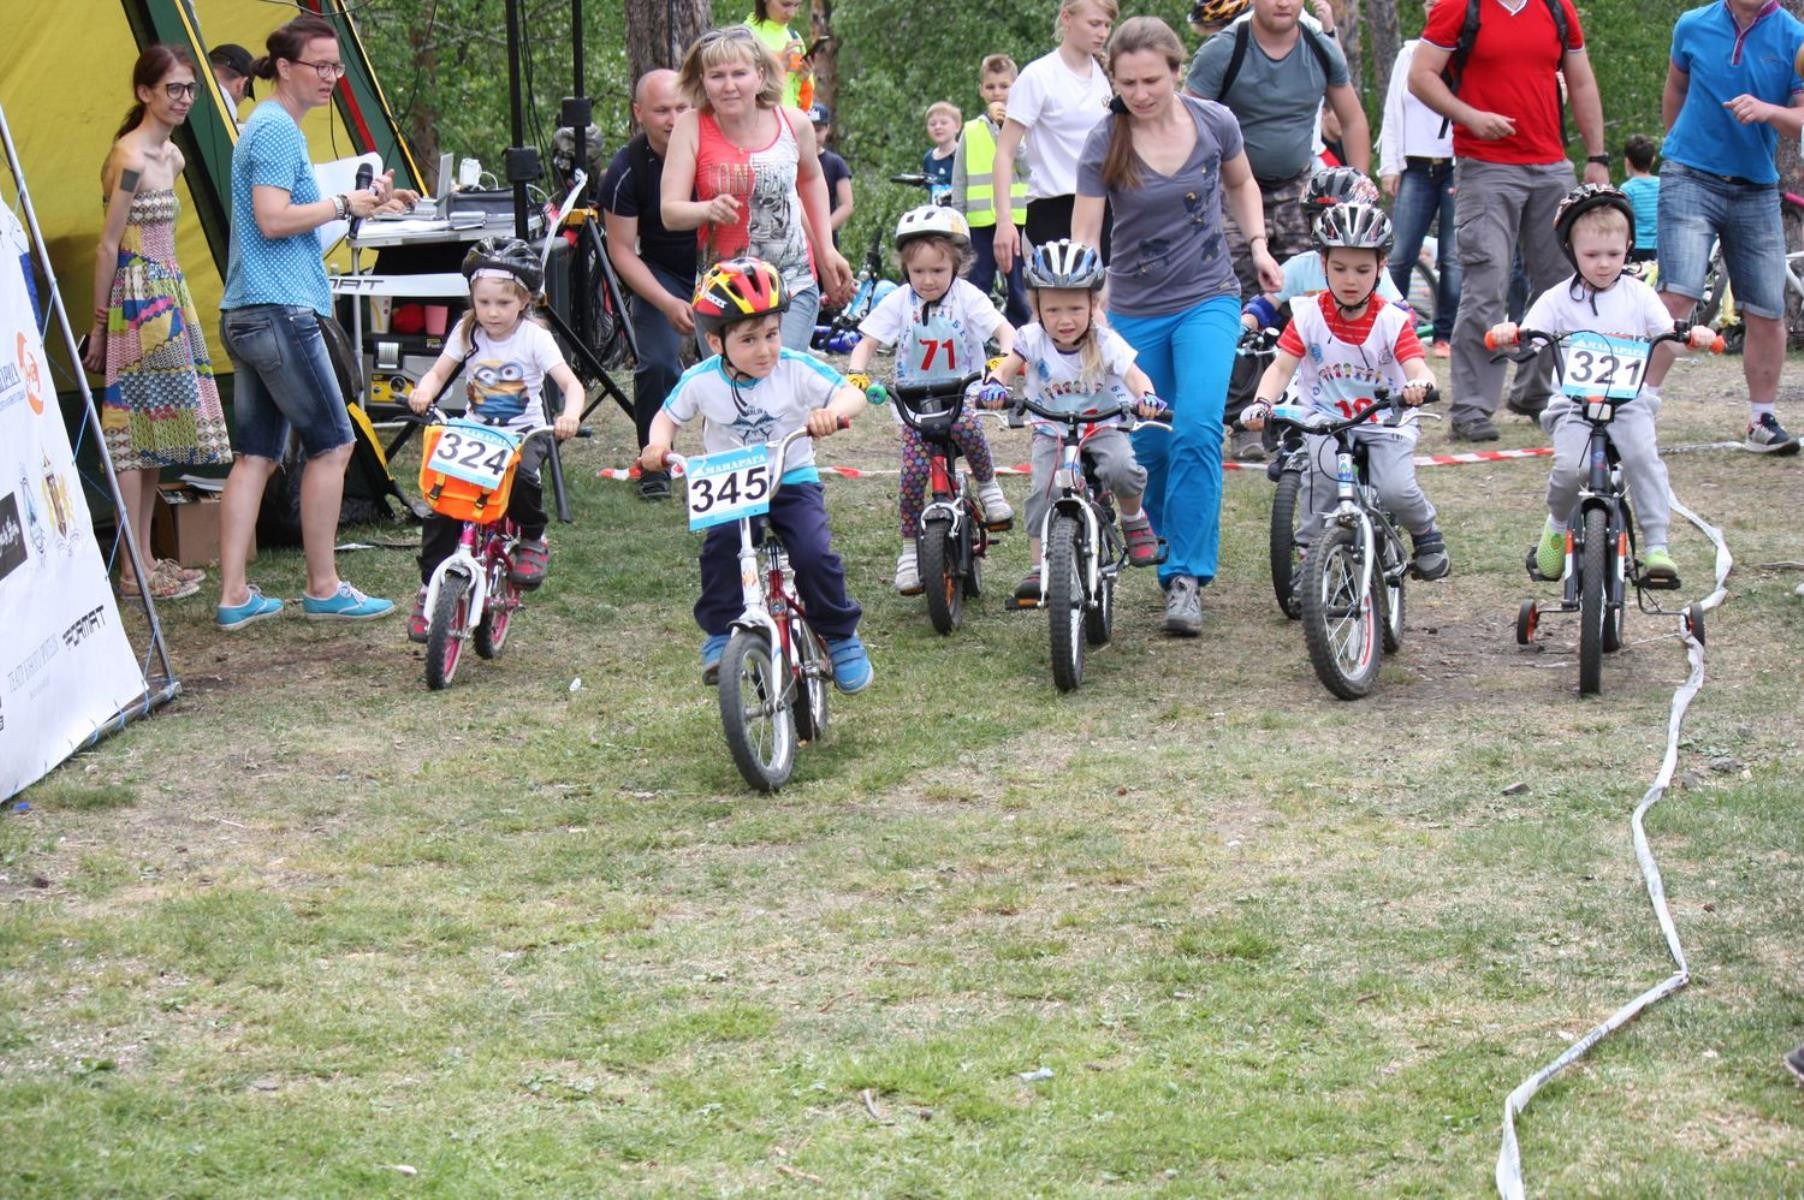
(1274, 72)
(1493, 69)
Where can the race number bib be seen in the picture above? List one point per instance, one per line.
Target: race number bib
(935, 352)
(1596, 365)
(476, 454)
(727, 486)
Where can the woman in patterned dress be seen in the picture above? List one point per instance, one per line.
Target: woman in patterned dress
(160, 408)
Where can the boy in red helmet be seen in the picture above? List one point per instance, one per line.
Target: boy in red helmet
(753, 392)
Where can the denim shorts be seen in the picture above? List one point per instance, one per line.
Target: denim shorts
(283, 378)
(1696, 210)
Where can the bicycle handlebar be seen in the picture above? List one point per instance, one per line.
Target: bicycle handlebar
(1680, 333)
(1089, 416)
(907, 395)
(672, 458)
(434, 415)
(1381, 396)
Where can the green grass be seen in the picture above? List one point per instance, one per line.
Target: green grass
(313, 923)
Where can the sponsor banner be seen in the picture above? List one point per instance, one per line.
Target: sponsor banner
(66, 666)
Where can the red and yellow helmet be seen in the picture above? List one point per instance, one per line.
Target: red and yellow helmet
(738, 289)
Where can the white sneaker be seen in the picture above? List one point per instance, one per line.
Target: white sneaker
(908, 572)
(996, 511)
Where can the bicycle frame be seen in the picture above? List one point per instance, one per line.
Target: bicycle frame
(467, 560)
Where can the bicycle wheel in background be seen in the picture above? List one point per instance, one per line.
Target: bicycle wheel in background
(1286, 553)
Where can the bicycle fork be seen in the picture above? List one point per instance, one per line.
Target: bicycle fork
(1347, 511)
(754, 586)
(464, 560)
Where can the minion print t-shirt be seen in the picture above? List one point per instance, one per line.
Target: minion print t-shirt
(503, 380)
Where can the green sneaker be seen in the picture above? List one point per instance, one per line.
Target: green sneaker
(1657, 566)
(1550, 555)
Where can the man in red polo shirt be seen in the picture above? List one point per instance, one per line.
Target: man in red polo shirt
(1511, 169)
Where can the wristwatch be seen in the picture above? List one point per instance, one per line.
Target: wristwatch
(1602, 160)
(341, 205)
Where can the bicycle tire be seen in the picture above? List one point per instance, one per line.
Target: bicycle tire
(1065, 603)
(445, 630)
(1593, 561)
(491, 632)
(940, 576)
(1099, 621)
(817, 676)
(762, 739)
(1286, 557)
(1340, 619)
(1710, 304)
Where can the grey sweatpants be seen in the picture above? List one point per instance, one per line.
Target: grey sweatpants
(1633, 433)
(1390, 465)
(1501, 206)
(1116, 467)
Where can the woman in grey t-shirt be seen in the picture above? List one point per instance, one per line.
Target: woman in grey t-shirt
(1164, 164)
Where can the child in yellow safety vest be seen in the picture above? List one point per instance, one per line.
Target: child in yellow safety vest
(973, 193)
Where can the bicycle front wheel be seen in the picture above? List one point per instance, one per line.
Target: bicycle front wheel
(938, 552)
(1594, 597)
(755, 712)
(1341, 615)
(1065, 602)
(448, 624)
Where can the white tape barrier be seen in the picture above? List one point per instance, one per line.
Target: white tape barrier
(1509, 1158)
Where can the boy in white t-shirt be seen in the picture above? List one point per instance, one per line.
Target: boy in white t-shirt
(503, 355)
(751, 393)
(1348, 341)
(939, 325)
(1596, 227)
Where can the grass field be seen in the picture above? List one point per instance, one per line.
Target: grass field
(314, 931)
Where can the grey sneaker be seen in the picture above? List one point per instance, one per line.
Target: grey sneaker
(1767, 436)
(1474, 429)
(1247, 445)
(1183, 607)
(1794, 1062)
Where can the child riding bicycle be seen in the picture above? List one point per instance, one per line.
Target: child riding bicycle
(1596, 227)
(751, 393)
(504, 356)
(1348, 341)
(1072, 361)
(939, 324)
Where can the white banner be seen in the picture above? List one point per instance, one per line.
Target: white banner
(66, 666)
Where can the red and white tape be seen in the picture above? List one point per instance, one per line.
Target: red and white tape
(1422, 460)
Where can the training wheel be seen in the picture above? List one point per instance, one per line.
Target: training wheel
(1527, 618)
(1694, 621)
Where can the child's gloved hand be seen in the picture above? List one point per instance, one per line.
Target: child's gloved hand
(859, 380)
(1415, 392)
(1253, 415)
(1151, 408)
(992, 394)
(1505, 333)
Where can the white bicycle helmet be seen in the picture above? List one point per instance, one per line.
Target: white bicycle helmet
(933, 220)
(1065, 264)
(1355, 227)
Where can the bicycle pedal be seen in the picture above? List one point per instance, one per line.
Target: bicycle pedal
(1000, 526)
(1659, 585)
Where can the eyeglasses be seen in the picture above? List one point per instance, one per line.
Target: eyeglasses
(179, 91)
(327, 70)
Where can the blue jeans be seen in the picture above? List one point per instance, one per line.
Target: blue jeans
(283, 379)
(660, 351)
(1188, 356)
(798, 322)
(983, 274)
(798, 513)
(1697, 209)
(1423, 191)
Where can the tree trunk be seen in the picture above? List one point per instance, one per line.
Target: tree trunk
(422, 115)
(1791, 162)
(1381, 18)
(826, 59)
(1350, 31)
(659, 31)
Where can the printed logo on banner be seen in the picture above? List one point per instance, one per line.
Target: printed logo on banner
(12, 386)
(28, 367)
(57, 511)
(34, 524)
(29, 666)
(12, 536)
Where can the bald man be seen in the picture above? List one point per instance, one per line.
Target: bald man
(656, 264)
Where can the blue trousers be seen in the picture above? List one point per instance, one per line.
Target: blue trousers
(660, 362)
(1189, 356)
(798, 513)
(1424, 193)
(983, 274)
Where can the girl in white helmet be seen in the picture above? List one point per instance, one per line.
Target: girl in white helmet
(938, 324)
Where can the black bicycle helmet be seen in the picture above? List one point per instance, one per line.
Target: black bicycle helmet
(1588, 197)
(1355, 227)
(507, 254)
(1065, 264)
(1338, 185)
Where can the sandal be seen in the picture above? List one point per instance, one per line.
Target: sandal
(193, 574)
(163, 586)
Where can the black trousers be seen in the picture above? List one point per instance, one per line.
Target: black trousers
(1049, 220)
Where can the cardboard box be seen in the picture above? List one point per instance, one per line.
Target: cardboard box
(185, 526)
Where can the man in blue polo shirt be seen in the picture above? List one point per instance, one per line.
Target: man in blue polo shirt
(1731, 88)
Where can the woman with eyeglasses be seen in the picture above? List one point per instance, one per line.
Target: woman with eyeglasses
(275, 295)
(160, 407)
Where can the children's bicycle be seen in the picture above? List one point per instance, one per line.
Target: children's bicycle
(1082, 550)
(775, 672)
(1352, 583)
(1601, 374)
(954, 537)
(467, 473)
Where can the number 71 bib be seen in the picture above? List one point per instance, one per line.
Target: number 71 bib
(1596, 365)
(727, 486)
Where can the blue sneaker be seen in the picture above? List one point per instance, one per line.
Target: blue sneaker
(851, 665)
(237, 616)
(712, 649)
(348, 604)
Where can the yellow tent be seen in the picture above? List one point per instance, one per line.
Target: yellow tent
(65, 81)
